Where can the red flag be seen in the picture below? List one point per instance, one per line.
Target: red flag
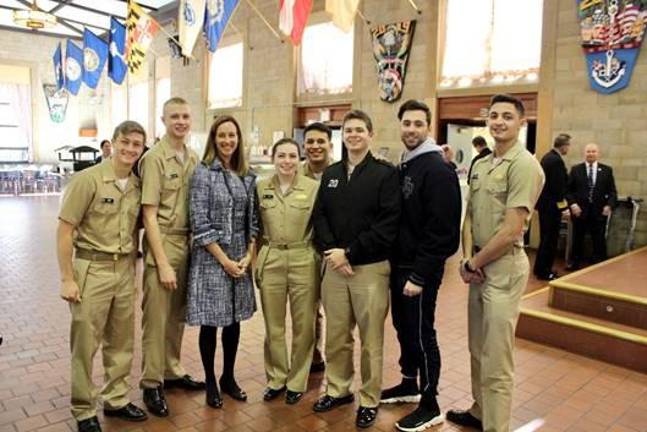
(293, 16)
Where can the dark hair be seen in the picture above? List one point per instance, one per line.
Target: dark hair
(238, 162)
(415, 105)
(562, 140)
(285, 141)
(479, 141)
(318, 126)
(125, 128)
(104, 143)
(358, 115)
(506, 98)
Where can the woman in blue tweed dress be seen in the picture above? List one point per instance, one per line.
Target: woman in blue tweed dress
(224, 222)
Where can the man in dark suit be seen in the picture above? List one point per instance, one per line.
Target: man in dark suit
(592, 196)
(551, 205)
(480, 145)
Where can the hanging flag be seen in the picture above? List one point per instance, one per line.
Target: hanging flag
(342, 12)
(191, 17)
(117, 60)
(141, 31)
(216, 17)
(58, 67)
(293, 15)
(73, 67)
(95, 54)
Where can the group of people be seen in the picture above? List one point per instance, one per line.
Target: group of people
(587, 195)
(348, 237)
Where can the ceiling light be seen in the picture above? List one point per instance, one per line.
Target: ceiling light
(34, 18)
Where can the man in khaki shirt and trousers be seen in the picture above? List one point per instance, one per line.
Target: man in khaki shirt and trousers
(166, 171)
(98, 222)
(504, 188)
(318, 150)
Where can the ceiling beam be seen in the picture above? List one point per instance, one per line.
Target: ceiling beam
(85, 8)
(39, 33)
(60, 20)
(58, 6)
(150, 8)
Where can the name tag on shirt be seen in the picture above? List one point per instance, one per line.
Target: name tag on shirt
(108, 200)
(268, 196)
(174, 175)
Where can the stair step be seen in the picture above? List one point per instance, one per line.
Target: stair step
(607, 341)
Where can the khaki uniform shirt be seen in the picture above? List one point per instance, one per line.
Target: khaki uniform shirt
(105, 217)
(165, 184)
(515, 180)
(307, 171)
(286, 218)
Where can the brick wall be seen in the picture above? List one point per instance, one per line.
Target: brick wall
(616, 122)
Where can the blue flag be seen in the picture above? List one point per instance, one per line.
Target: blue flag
(73, 67)
(215, 20)
(117, 61)
(95, 54)
(58, 67)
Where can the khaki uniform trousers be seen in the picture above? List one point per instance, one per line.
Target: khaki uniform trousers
(293, 274)
(361, 299)
(105, 316)
(163, 315)
(493, 309)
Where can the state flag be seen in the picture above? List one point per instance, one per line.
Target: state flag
(73, 67)
(95, 54)
(293, 16)
(117, 60)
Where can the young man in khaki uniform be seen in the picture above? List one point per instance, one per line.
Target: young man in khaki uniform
(98, 222)
(166, 171)
(287, 270)
(503, 191)
(356, 223)
(318, 150)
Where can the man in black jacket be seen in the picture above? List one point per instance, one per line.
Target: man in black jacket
(355, 221)
(551, 205)
(592, 196)
(429, 233)
(480, 145)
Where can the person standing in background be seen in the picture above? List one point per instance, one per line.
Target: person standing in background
(480, 145)
(106, 151)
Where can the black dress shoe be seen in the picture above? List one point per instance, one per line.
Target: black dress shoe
(464, 418)
(186, 383)
(270, 393)
(365, 417)
(89, 425)
(326, 402)
(156, 402)
(547, 277)
(213, 397)
(317, 367)
(292, 397)
(230, 388)
(129, 412)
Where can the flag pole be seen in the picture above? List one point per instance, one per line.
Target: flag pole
(262, 17)
(361, 15)
(415, 6)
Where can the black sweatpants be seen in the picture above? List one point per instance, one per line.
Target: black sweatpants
(413, 319)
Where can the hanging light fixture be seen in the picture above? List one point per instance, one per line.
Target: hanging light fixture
(34, 18)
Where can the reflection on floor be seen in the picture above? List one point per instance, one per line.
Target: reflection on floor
(571, 392)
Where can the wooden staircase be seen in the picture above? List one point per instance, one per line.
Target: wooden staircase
(599, 312)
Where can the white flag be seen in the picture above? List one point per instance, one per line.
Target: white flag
(190, 20)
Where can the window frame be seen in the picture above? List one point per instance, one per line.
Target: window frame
(225, 41)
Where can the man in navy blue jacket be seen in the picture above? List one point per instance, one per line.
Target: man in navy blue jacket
(429, 233)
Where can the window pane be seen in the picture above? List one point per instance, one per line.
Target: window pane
(226, 77)
(326, 65)
(162, 94)
(138, 103)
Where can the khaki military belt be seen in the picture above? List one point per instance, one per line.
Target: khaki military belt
(283, 246)
(100, 256)
(175, 231)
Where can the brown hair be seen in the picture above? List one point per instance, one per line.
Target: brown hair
(285, 141)
(176, 100)
(238, 161)
(359, 115)
(127, 127)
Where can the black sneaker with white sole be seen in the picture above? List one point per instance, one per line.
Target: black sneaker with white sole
(419, 420)
(405, 392)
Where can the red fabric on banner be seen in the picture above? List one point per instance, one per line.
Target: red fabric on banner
(300, 12)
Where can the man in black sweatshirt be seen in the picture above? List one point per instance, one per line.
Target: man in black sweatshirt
(429, 233)
(355, 221)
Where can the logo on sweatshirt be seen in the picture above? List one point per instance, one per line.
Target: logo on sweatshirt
(333, 183)
(407, 187)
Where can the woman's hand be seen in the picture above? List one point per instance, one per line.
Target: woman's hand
(243, 264)
(232, 268)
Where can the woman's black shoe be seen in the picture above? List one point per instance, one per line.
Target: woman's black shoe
(230, 388)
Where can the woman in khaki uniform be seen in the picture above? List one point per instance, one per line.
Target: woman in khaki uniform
(286, 268)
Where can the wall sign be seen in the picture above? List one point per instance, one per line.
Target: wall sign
(56, 102)
(391, 46)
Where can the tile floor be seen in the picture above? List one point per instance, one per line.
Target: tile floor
(571, 393)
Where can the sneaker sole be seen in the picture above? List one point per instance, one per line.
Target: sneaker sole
(433, 422)
(401, 399)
